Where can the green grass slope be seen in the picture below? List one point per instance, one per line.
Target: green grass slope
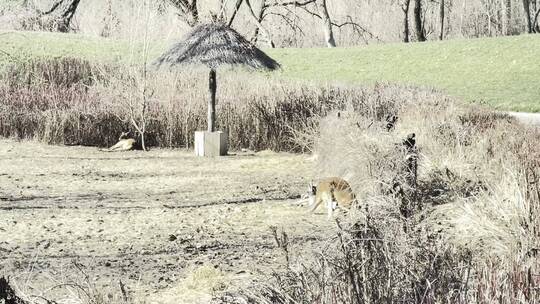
(501, 72)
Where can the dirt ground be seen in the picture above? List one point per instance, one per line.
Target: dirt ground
(173, 228)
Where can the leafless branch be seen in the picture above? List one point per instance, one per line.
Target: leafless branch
(349, 22)
(290, 3)
(259, 24)
(360, 30)
(290, 22)
(52, 9)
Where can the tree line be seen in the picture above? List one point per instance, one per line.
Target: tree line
(323, 22)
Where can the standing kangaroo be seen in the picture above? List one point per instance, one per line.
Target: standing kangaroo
(335, 192)
(125, 143)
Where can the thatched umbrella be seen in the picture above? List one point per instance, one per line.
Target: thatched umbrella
(214, 45)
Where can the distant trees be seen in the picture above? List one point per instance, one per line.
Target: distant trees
(431, 19)
(469, 18)
(293, 22)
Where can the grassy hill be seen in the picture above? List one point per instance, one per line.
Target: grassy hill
(501, 72)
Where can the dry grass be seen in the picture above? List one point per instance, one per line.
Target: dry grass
(69, 101)
(460, 227)
(202, 283)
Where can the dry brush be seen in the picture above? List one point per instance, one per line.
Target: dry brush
(73, 102)
(450, 215)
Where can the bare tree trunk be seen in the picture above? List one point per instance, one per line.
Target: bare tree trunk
(212, 85)
(527, 9)
(406, 30)
(419, 26)
(441, 15)
(68, 16)
(327, 23)
(63, 12)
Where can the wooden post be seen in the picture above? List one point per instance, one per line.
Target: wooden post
(210, 142)
(212, 101)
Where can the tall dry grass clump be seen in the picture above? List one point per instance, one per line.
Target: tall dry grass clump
(75, 102)
(449, 215)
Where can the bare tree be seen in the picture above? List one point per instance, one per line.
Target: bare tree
(260, 26)
(418, 21)
(327, 24)
(266, 9)
(61, 14)
(319, 9)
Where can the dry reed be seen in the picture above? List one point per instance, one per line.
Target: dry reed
(72, 102)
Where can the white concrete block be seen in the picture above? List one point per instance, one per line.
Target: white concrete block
(211, 143)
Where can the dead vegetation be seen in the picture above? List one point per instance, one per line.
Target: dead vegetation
(72, 102)
(450, 215)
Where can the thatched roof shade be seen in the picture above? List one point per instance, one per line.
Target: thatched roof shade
(214, 45)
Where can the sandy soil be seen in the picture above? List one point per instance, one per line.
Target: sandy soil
(158, 221)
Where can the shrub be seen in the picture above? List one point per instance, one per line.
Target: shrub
(74, 102)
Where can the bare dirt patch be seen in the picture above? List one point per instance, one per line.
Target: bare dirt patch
(149, 219)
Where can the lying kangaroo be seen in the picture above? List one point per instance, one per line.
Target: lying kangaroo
(125, 143)
(334, 191)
